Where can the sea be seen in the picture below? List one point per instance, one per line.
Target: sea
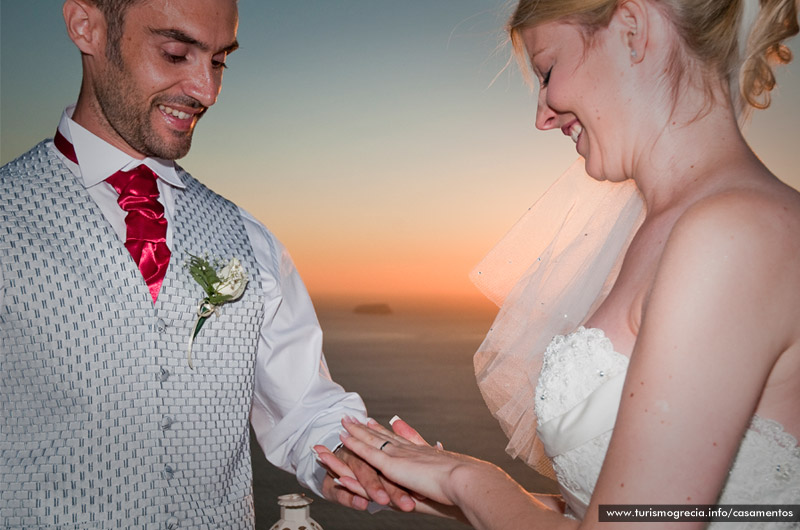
(414, 360)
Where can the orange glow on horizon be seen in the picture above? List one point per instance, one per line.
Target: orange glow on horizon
(386, 276)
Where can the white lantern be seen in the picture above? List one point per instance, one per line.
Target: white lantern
(295, 513)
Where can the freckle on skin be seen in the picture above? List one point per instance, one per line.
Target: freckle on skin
(714, 444)
(621, 484)
(631, 394)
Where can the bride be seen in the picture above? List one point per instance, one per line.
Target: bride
(674, 374)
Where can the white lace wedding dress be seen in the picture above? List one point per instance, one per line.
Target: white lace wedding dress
(577, 398)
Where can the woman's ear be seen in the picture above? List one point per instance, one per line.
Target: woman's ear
(632, 21)
(86, 26)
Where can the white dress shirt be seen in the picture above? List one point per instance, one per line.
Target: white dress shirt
(296, 405)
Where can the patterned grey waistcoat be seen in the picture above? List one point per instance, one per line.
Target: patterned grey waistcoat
(102, 423)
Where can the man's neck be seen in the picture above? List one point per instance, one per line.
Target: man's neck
(89, 115)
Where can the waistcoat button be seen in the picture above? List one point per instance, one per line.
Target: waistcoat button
(168, 472)
(161, 326)
(173, 522)
(166, 423)
(163, 374)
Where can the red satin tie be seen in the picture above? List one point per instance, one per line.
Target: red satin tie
(146, 226)
(146, 238)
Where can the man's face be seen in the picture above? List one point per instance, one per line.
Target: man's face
(173, 54)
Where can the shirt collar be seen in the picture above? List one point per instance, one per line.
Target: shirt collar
(99, 160)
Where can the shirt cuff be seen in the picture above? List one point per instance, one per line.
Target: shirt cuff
(333, 443)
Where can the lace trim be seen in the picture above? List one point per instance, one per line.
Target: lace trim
(765, 468)
(591, 346)
(583, 359)
(774, 430)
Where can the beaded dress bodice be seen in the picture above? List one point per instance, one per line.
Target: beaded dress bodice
(577, 397)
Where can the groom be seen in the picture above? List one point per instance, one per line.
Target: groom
(104, 423)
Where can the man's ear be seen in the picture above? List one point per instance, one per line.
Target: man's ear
(86, 26)
(632, 23)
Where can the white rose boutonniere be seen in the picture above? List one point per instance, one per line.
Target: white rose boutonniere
(220, 287)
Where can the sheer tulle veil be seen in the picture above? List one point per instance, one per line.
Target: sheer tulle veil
(556, 263)
(547, 274)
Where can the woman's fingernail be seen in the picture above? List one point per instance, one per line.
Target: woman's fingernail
(439, 445)
(337, 482)
(394, 419)
(315, 452)
(360, 503)
(382, 497)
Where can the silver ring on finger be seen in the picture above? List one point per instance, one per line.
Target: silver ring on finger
(384, 444)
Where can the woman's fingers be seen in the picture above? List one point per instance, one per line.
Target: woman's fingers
(364, 442)
(374, 435)
(338, 471)
(375, 426)
(333, 463)
(401, 428)
(334, 490)
(359, 477)
(419, 468)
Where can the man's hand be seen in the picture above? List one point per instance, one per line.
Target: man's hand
(374, 487)
(347, 497)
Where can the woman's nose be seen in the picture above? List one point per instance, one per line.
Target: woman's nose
(546, 118)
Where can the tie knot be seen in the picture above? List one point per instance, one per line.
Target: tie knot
(140, 181)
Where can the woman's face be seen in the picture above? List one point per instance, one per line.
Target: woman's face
(583, 92)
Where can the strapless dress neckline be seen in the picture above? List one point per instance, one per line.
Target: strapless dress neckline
(577, 398)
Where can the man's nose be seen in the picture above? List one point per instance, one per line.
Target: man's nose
(204, 84)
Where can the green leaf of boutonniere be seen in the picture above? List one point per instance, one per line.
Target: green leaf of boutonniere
(225, 285)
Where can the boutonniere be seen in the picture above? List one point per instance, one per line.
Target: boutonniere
(225, 285)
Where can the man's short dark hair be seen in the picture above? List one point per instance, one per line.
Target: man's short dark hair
(114, 13)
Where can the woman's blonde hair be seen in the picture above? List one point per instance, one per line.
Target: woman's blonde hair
(709, 30)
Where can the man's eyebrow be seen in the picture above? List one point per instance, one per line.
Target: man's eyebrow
(180, 36)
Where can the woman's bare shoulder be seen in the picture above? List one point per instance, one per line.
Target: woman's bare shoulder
(745, 241)
(757, 219)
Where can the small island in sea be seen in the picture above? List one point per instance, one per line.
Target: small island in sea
(373, 309)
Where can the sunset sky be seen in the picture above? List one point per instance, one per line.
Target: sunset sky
(382, 141)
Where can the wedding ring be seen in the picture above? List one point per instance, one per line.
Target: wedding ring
(384, 444)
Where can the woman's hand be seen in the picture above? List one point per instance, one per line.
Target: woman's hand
(359, 494)
(455, 485)
(428, 471)
(366, 484)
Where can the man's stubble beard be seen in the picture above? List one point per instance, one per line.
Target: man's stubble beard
(129, 115)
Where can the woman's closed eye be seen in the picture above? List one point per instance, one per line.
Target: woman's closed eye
(546, 78)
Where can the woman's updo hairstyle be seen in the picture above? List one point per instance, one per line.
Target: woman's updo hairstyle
(776, 22)
(709, 30)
